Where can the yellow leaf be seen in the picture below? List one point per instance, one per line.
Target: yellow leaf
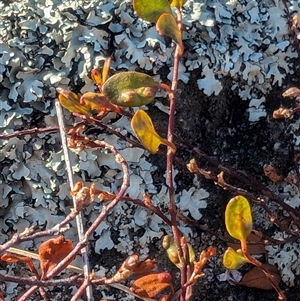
(167, 25)
(170, 246)
(143, 127)
(233, 260)
(105, 69)
(177, 3)
(71, 101)
(96, 77)
(238, 218)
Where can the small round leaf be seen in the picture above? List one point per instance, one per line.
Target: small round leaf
(130, 89)
(238, 218)
(150, 10)
(233, 260)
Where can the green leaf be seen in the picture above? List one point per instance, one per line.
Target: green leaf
(238, 218)
(130, 89)
(170, 246)
(150, 10)
(172, 252)
(167, 25)
(143, 127)
(233, 260)
(177, 3)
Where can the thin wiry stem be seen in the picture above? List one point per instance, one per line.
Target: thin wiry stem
(182, 247)
(80, 291)
(105, 210)
(73, 280)
(29, 233)
(29, 132)
(79, 217)
(103, 214)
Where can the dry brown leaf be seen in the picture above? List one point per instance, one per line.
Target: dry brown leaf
(256, 277)
(291, 92)
(152, 285)
(272, 174)
(282, 113)
(106, 196)
(52, 252)
(15, 258)
(295, 22)
(84, 196)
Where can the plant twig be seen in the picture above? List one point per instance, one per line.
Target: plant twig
(79, 216)
(105, 210)
(182, 248)
(29, 132)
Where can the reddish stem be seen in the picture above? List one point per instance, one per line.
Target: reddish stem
(105, 211)
(182, 249)
(29, 132)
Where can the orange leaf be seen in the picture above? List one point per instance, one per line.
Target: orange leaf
(106, 196)
(282, 113)
(105, 69)
(152, 285)
(97, 78)
(15, 258)
(96, 101)
(145, 266)
(257, 278)
(291, 92)
(165, 298)
(11, 258)
(52, 252)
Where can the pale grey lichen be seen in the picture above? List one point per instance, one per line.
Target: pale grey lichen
(49, 43)
(248, 41)
(286, 257)
(189, 202)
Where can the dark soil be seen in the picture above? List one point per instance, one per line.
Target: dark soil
(219, 126)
